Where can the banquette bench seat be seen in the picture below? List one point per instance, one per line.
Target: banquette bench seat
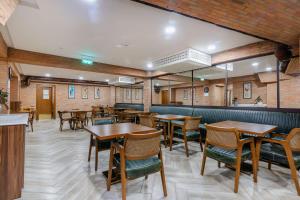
(135, 106)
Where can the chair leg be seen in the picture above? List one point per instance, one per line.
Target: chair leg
(90, 148)
(294, 174)
(238, 169)
(60, 126)
(203, 161)
(200, 140)
(96, 154)
(162, 175)
(254, 162)
(171, 138)
(123, 177)
(219, 164)
(165, 136)
(31, 125)
(186, 145)
(110, 168)
(257, 149)
(146, 177)
(269, 165)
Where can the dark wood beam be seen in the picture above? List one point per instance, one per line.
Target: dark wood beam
(3, 47)
(26, 80)
(244, 52)
(47, 60)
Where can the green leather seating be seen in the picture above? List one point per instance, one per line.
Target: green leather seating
(275, 152)
(139, 168)
(226, 155)
(135, 106)
(189, 134)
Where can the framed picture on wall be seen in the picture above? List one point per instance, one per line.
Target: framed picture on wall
(71, 91)
(185, 94)
(84, 92)
(247, 91)
(97, 92)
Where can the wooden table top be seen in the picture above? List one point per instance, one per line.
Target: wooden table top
(112, 131)
(246, 127)
(134, 112)
(170, 117)
(75, 110)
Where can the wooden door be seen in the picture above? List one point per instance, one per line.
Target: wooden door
(44, 101)
(164, 96)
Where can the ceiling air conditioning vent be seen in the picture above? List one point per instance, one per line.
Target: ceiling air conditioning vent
(182, 61)
(123, 80)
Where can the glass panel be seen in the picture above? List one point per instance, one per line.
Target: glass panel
(209, 84)
(160, 90)
(181, 88)
(252, 83)
(290, 84)
(45, 93)
(137, 93)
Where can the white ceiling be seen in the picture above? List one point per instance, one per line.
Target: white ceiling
(97, 27)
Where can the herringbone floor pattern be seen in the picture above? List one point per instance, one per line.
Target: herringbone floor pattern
(56, 168)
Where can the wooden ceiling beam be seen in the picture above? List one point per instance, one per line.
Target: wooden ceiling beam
(47, 60)
(7, 7)
(244, 52)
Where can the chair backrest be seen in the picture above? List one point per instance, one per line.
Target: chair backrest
(222, 137)
(294, 137)
(192, 123)
(142, 146)
(81, 115)
(146, 120)
(31, 115)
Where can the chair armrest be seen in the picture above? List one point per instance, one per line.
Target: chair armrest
(246, 140)
(274, 140)
(282, 135)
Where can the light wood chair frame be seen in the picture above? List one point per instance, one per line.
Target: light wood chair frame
(62, 119)
(116, 147)
(184, 131)
(286, 143)
(238, 148)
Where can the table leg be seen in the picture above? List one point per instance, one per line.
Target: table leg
(257, 151)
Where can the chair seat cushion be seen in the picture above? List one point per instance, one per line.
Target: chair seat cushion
(227, 155)
(102, 121)
(139, 168)
(189, 134)
(276, 153)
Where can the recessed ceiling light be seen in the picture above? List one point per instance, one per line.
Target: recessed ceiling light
(202, 79)
(149, 65)
(157, 84)
(122, 45)
(47, 75)
(80, 78)
(211, 47)
(269, 69)
(170, 30)
(107, 80)
(255, 64)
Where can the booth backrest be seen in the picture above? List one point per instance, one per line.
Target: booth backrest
(172, 110)
(285, 121)
(134, 106)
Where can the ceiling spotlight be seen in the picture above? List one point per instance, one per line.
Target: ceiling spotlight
(149, 65)
(80, 78)
(255, 64)
(47, 75)
(269, 69)
(107, 80)
(202, 79)
(211, 47)
(157, 84)
(170, 30)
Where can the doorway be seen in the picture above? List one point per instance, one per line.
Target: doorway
(165, 97)
(45, 108)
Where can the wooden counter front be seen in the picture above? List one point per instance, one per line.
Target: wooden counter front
(12, 149)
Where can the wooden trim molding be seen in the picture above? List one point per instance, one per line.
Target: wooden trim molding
(3, 47)
(47, 60)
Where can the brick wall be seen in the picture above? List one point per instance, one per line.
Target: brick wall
(28, 97)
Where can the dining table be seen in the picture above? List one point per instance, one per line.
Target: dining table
(168, 118)
(114, 132)
(135, 113)
(258, 131)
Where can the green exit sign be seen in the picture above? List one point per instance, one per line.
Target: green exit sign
(87, 62)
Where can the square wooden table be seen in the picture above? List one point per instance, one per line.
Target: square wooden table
(169, 118)
(115, 131)
(252, 129)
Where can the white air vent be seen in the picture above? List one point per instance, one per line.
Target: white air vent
(123, 80)
(182, 61)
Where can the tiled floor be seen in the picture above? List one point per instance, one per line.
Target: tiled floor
(56, 168)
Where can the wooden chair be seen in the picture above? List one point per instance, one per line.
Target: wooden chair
(226, 146)
(188, 131)
(99, 145)
(283, 149)
(149, 121)
(124, 117)
(80, 120)
(140, 156)
(31, 119)
(64, 117)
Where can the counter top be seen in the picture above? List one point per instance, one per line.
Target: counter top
(13, 119)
